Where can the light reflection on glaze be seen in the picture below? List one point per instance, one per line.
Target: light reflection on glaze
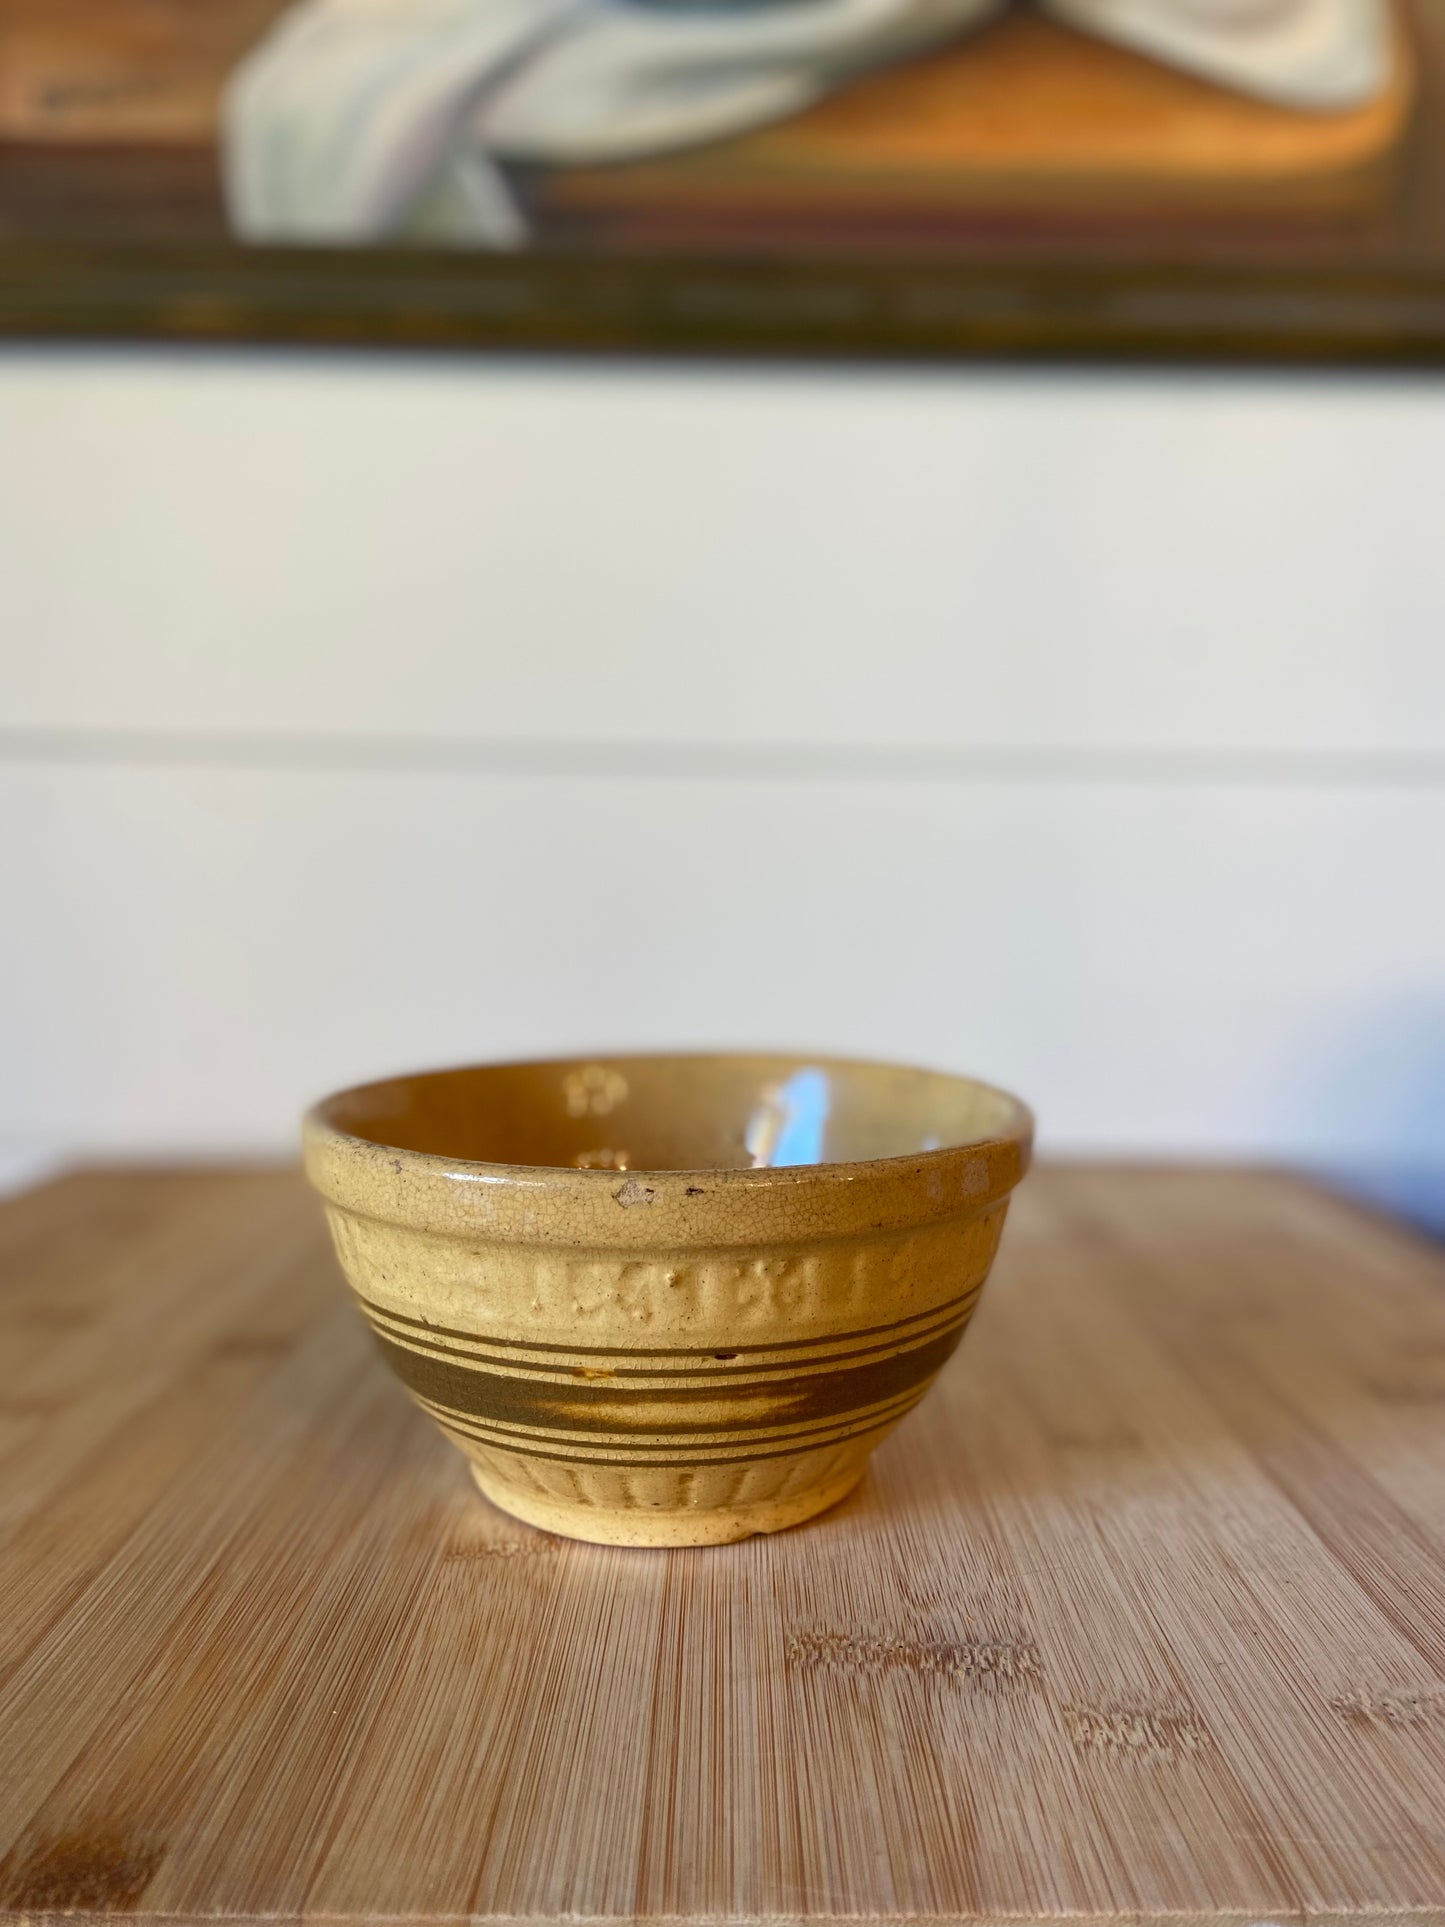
(602, 1159)
(594, 1091)
(788, 1125)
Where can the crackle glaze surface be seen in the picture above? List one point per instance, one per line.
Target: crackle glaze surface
(673, 1336)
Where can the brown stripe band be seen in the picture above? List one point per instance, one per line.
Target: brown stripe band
(603, 1409)
(802, 1438)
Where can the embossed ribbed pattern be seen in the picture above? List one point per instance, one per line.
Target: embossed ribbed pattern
(681, 1427)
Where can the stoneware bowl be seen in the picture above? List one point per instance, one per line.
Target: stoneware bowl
(674, 1300)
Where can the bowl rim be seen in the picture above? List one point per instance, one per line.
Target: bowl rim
(318, 1130)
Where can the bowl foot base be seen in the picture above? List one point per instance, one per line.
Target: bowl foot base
(639, 1526)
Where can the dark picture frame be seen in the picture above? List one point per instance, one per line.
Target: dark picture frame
(103, 239)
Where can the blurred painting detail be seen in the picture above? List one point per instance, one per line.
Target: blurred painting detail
(704, 126)
(359, 119)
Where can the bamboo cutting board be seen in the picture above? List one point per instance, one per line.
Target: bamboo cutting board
(1140, 1617)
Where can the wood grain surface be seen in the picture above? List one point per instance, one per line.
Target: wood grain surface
(1141, 1615)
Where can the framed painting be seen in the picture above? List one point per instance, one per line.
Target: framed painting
(1250, 179)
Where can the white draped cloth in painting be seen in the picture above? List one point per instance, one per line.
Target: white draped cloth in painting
(358, 121)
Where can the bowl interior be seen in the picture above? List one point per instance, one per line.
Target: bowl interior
(676, 1113)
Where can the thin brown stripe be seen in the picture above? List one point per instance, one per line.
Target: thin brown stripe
(688, 1465)
(958, 1309)
(677, 1351)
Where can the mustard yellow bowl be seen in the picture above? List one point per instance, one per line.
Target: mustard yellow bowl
(671, 1300)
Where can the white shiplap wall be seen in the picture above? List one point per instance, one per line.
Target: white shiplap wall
(1084, 730)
